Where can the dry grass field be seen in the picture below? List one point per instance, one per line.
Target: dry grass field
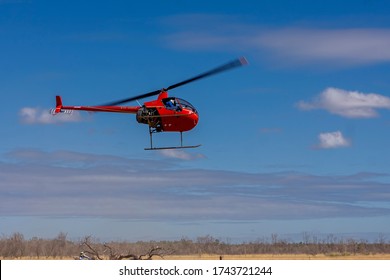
(281, 257)
(203, 248)
(254, 257)
(246, 257)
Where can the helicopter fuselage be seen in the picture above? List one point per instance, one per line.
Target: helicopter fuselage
(168, 114)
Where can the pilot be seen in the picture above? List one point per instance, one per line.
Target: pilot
(171, 104)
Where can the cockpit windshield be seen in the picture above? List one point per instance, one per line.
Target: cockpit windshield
(186, 104)
(174, 103)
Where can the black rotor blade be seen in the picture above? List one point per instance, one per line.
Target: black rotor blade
(235, 63)
(152, 93)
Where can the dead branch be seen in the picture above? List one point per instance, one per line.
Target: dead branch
(93, 251)
(113, 255)
(156, 251)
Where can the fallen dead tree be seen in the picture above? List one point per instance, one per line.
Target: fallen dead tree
(98, 252)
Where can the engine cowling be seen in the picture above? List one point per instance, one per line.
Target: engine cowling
(149, 116)
(142, 115)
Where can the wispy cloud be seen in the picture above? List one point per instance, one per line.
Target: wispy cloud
(30, 115)
(339, 46)
(332, 140)
(350, 104)
(180, 154)
(289, 45)
(83, 185)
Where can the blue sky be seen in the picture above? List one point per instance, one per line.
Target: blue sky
(297, 141)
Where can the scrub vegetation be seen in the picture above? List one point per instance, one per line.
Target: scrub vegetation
(16, 246)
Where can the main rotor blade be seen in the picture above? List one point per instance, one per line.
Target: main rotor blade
(235, 63)
(152, 93)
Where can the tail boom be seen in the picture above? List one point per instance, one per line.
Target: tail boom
(60, 108)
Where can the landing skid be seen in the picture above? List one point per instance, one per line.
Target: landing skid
(171, 148)
(151, 148)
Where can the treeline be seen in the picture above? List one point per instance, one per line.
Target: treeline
(16, 246)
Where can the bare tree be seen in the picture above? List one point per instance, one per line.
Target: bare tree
(153, 252)
(15, 246)
(35, 247)
(99, 253)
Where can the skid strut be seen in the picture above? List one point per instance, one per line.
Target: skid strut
(151, 131)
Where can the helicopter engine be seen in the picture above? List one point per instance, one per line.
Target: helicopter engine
(149, 116)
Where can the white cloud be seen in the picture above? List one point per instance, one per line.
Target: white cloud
(340, 46)
(300, 45)
(30, 115)
(69, 184)
(350, 104)
(332, 140)
(180, 154)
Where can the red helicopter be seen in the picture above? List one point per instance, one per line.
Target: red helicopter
(162, 115)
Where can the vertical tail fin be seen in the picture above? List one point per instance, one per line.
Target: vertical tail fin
(58, 101)
(58, 106)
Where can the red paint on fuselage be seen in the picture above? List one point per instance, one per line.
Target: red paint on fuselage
(184, 120)
(183, 117)
(179, 117)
